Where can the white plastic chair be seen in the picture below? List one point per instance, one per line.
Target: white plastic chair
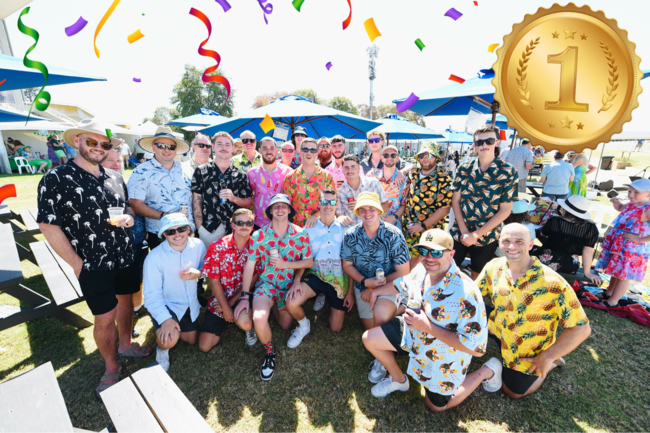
(22, 163)
(603, 216)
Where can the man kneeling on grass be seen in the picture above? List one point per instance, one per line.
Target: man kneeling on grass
(170, 273)
(441, 330)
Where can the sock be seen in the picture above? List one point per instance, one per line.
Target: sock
(136, 309)
(269, 347)
(163, 351)
(304, 322)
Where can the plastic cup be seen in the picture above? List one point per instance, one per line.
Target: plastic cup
(114, 213)
(185, 267)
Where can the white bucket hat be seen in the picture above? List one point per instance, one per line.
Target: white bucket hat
(164, 132)
(89, 126)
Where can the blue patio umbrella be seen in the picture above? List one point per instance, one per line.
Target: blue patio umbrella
(204, 117)
(646, 72)
(14, 116)
(451, 137)
(501, 121)
(292, 111)
(400, 128)
(19, 76)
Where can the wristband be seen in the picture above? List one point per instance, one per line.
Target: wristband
(475, 235)
(371, 289)
(245, 294)
(363, 282)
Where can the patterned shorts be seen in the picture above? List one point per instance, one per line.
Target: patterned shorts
(273, 293)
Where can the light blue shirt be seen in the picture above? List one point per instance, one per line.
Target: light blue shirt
(557, 176)
(518, 158)
(69, 150)
(162, 283)
(161, 189)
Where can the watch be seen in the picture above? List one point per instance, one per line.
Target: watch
(363, 282)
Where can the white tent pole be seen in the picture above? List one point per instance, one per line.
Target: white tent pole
(599, 163)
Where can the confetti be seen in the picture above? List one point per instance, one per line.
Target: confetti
(456, 78)
(346, 23)
(328, 66)
(209, 53)
(137, 80)
(42, 94)
(267, 124)
(502, 135)
(297, 4)
(371, 29)
(109, 134)
(7, 191)
(2, 82)
(419, 43)
(142, 14)
(135, 36)
(407, 103)
(266, 8)
(475, 3)
(102, 22)
(224, 4)
(453, 14)
(76, 27)
(492, 47)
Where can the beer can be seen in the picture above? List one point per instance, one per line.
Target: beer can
(274, 252)
(350, 199)
(222, 200)
(379, 274)
(184, 207)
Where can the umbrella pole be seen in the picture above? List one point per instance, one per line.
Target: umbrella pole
(495, 110)
(512, 143)
(599, 163)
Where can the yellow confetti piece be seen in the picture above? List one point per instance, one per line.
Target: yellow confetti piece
(371, 29)
(136, 35)
(492, 47)
(267, 124)
(102, 22)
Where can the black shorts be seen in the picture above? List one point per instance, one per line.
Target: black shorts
(478, 255)
(100, 287)
(153, 240)
(438, 400)
(516, 381)
(185, 323)
(319, 286)
(214, 324)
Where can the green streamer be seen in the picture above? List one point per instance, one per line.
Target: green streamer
(419, 43)
(41, 106)
(297, 4)
(109, 134)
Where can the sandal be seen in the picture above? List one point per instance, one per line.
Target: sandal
(131, 353)
(105, 378)
(606, 304)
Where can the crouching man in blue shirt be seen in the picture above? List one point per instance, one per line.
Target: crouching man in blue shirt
(170, 271)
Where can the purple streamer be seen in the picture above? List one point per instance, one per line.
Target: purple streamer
(329, 65)
(407, 103)
(137, 80)
(76, 27)
(453, 14)
(224, 4)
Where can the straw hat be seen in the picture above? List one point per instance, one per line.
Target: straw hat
(367, 198)
(164, 132)
(89, 126)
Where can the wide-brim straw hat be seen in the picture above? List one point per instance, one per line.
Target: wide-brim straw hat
(89, 126)
(164, 132)
(576, 205)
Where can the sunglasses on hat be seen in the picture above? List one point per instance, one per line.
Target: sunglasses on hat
(93, 143)
(172, 232)
(163, 146)
(436, 254)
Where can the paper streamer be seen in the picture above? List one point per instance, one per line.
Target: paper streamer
(41, 106)
(135, 36)
(266, 8)
(2, 82)
(224, 4)
(371, 29)
(475, 3)
(297, 4)
(328, 66)
(492, 47)
(267, 124)
(7, 191)
(419, 43)
(102, 22)
(453, 14)
(209, 53)
(407, 103)
(109, 134)
(346, 23)
(502, 134)
(456, 78)
(76, 27)
(137, 80)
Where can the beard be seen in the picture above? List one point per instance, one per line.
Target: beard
(85, 154)
(338, 156)
(325, 155)
(390, 164)
(268, 158)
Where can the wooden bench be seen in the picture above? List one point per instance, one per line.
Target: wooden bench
(28, 217)
(150, 401)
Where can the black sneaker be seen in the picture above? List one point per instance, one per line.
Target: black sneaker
(268, 367)
(135, 333)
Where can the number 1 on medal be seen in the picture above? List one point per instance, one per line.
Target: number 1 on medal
(568, 60)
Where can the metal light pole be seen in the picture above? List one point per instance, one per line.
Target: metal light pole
(372, 53)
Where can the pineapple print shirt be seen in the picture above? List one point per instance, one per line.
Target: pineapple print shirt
(455, 304)
(527, 311)
(481, 194)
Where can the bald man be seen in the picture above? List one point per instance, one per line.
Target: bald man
(529, 299)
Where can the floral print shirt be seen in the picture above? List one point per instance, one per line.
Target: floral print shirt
(456, 305)
(527, 311)
(78, 202)
(366, 184)
(265, 185)
(629, 220)
(393, 192)
(326, 247)
(242, 162)
(304, 193)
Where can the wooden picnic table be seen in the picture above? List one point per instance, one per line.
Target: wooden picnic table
(150, 401)
(29, 220)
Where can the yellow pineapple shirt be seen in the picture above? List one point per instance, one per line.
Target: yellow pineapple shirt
(527, 311)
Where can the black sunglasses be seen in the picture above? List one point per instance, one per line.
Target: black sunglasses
(288, 150)
(488, 141)
(93, 143)
(165, 146)
(306, 149)
(243, 223)
(248, 140)
(172, 232)
(299, 135)
(390, 155)
(326, 202)
(202, 146)
(436, 254)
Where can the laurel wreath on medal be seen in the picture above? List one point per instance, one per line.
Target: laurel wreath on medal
(611, 62)
(523, 85)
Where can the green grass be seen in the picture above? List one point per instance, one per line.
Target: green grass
(323, 386)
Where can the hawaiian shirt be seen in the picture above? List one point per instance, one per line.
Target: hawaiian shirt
(527, 311)
(208, 180)
(242, 162)
(292, 247)
(367, 166)
(304, 193)
(421, 198)
(366, 184)
(393, 192)
(78, 202)
(264, 185)
(481, 194)
(161, 189)
(225, 262)
(385, 250)
(326, 247)
(455, 304)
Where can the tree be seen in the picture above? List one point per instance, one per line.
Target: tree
(266, 98)
(343, 104)
(307, 93)
(412, 116)
(163, 115)
(363, 111)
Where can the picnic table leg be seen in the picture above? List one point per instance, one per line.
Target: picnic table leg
(25, 254)
(533, 191)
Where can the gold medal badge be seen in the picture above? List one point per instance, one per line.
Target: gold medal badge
(567, 78)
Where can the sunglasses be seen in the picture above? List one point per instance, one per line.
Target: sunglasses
(338, 140)
(172, 232)
(328, 202)
(163, 146)
(243, 223)
(248, 140)
(306, 150)
(390, 155)
(288, 150)
(488, 141)
(93, 143)
(299, 135)
(202, 146)
(426, 155)
(436, 254)
(374, 140)
(323, 146)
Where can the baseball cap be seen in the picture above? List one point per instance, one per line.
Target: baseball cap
(436, 239)
(642, 185)
(391, 146)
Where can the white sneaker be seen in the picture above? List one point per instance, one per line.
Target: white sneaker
(251, 337)
(494, 383)
(560, 362)
(386, 386)
(162, 357)
(377, 371)
(320, 302)
(298, 334)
